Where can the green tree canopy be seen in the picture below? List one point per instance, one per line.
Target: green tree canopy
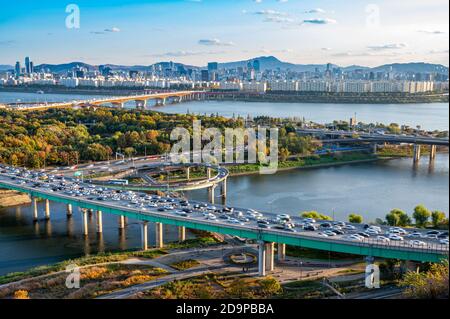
(354, 218)
(421, 215)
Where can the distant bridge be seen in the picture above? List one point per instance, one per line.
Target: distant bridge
(119, 101)
(330, 137)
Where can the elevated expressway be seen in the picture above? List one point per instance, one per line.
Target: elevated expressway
(331, 137)
(211, 182)
(266, 238)
(118, 101)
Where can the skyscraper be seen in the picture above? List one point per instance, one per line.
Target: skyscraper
(18, 68)
(27, 65)
(257, 66)
(213, 66)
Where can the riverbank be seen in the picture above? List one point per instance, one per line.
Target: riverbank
(307, 163)
(10, 198)
(273, 97)
(332, 98)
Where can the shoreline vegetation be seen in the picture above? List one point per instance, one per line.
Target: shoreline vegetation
(273, 97)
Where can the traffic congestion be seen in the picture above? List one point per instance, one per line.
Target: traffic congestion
(224, 215)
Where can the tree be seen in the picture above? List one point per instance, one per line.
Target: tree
(421, 215)
(437, 218)
(270, 286)
(284, 154)
(397, 217)
(354, 218)
(315, 215)
(432, 284)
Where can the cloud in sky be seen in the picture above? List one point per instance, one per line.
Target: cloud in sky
(319, 21)
(6, 42)
(113, 29)
(316, 10)
(435, 32)
(390, 46)
(215, 42)
(177, 54)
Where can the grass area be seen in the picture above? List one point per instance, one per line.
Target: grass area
(83, 261)
(204, 239)
(185, 264)
(195, 243)
(304, 289)
(318, 254)
(306, 162)
(94, 281)
(217, 286)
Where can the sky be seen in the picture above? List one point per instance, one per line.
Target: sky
(194, 32)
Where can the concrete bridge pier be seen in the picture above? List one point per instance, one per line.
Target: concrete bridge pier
(141, 104)
(144, 235)
(69, 210)
(211, 194)
(188, 173)
(35, 209)
(209, 173)
(224, 191)
(417, 153)
(47, 209)
(433, 151)
(281, 252)
(181, 234)
(161, 102)
(159, 235)
(270, 248)
(374, 148)
(84, 214)
(99, 222)
(119, 105)
(121, 222)
(262, 259)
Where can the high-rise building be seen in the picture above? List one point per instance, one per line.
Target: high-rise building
(27, 65)
(257, 66)
(18, 68)
(31, 67)
(205, 75)
(213, 66)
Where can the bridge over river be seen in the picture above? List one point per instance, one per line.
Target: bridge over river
(143, 209)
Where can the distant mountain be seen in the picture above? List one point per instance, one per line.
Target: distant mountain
(266, 63)
(415, 67)
(272, 63)
(4, 67)
(63, 68)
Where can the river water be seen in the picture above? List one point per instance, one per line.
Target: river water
(369, 189)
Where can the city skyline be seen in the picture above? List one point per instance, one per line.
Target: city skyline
(192, 32)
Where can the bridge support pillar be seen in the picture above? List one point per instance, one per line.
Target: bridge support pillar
(144, 235)
(211, 194)
(224, 189)
(35, 209)
(121, 222)
(84, 213)
(69, 210)
(281, 252)
(262, 259)
(188, 173)
(141, 104)
(99, 222)
(270, 248)
(181, 234)
(47, 209)
(375, 148)
(159, 235)
(119, 105)
(433, 149)
(209, 173)
(417, 151)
